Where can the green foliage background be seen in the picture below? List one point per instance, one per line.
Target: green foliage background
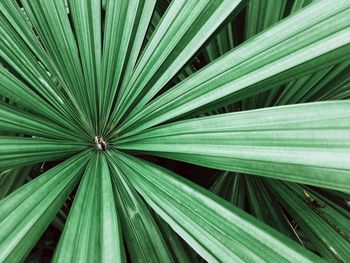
(254, 91)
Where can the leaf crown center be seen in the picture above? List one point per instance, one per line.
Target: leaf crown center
(100, 143)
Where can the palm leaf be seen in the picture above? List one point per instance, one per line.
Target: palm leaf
(23, 219)
(12, 120)
(327, 228)
(12, 179)
(93, 225)
(17, 151)
(85, 85)
(184, 28)
(203, 220)
(144, 240)
(272, 142)
(290, 49)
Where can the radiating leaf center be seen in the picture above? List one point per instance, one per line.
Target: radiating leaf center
(100, 143)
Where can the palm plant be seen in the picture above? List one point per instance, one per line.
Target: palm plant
(256, 89)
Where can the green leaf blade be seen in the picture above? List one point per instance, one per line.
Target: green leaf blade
(26, 213)
(301, 143)
(205, 221)
(92, 233)
(310, 40)
(144, 240)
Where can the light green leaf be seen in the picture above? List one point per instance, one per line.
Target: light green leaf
(184, 28)
(125, 27)
(20, 151)
(17, 55)
(143, 238)
(18, 92)
(51, 21)
(18, 20)
(310, 40)
(25, 214)
(87, 23)
(18, 121)
(218, 231)
(302, 143)
(92, 232)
